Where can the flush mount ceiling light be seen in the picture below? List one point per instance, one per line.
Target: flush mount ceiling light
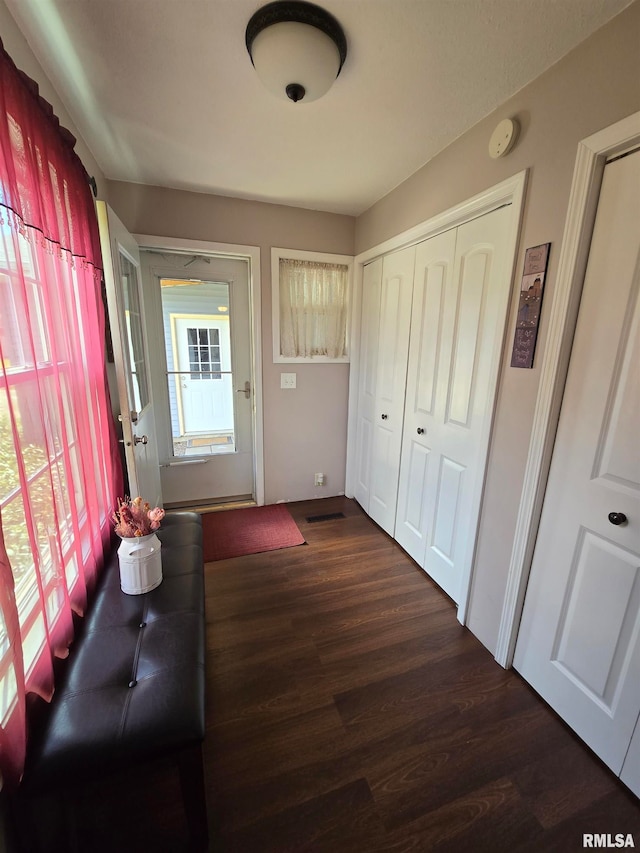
(297, 49)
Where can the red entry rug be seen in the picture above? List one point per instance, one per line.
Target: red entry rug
(237, 532)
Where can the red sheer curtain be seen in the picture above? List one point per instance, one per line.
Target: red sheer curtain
(59, 466)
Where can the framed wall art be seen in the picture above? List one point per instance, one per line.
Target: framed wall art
(536, 261)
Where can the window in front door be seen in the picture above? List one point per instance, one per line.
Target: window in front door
(204, 353)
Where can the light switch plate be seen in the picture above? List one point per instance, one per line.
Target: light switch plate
(288, 380)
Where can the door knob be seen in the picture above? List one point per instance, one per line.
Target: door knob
(420, 430)
(140, 439)
(617, 517)
(384, 417)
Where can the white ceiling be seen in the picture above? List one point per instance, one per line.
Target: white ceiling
(164, 93)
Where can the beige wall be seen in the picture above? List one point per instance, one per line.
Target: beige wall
(594, 86)
(305, 430)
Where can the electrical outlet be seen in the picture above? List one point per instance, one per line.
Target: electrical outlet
(319, 479)
(288, 380)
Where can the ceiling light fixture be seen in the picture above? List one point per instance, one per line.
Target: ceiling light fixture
(297, 49)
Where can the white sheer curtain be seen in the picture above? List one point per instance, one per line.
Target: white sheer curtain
(313, 309)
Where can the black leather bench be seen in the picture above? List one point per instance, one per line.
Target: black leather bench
(133, 687)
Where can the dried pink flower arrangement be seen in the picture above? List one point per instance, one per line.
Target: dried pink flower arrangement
(136, 518)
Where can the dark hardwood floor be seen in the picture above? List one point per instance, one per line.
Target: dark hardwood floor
(348, 710)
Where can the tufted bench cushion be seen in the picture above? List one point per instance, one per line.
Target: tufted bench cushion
(133, 687)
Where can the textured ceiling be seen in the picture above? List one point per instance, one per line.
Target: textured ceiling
(164, 93)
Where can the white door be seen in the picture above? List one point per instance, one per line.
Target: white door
(461, 295)
(369, 329)
(579, 639)
(121, 260)
(391, 372)
(206, 428)
(205, 389)
(426, 377)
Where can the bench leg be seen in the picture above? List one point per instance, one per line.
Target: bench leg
(191, 766)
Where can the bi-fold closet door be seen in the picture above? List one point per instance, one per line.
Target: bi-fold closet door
(386, 319)
(431, 344)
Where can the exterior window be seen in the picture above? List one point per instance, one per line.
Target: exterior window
(45, 471)
(59, 470)
(205, 359)
(311, 296)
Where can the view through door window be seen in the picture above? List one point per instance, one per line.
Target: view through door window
(196, 322)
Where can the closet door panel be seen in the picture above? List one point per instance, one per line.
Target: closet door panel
(393, 348)
(413, 494)
(447, 506)
(383, 476)
(370, 322)
(473, 330)
(472, 281)
(429, 294)
(431, 316)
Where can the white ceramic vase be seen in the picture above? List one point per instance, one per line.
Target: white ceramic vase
(140, 561)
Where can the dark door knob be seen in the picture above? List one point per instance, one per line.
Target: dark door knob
(617, 517)
(420, 430)
(384, 417)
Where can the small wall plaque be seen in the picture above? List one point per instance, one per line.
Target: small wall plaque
(536, 261)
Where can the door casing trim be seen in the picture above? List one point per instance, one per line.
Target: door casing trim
(593, 153)
(251, 254)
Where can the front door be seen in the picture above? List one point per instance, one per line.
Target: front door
(579, 639)
(205, 388)
(201, 374)
(121, 260)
